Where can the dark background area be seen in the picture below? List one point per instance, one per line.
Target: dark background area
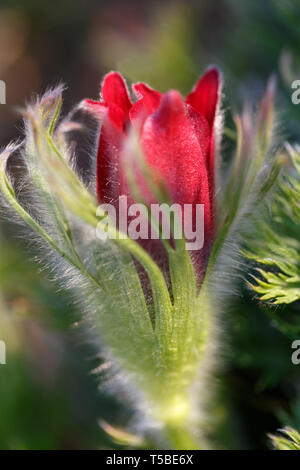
(48, 396)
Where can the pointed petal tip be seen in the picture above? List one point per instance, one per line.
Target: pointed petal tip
(141, 89)
(114, 90)
(147, 103)
(96, 108)
(113, 75)
(211, 76)
(213, 69)
(170, 104)
(172, 99)
(205, 95)
(108, 79)
(214, 75)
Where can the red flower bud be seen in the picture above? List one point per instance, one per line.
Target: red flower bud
(177, 137)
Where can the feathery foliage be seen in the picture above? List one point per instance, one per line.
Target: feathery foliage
(289, 440)
(278, 246)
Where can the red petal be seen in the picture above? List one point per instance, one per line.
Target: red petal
(205, 99)
(108, 161)
(110, 142)
(205, 95)
(173, 138)
(114, 91)
(148, 102)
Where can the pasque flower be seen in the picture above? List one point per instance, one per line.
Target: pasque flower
(177, 137)
(160, 334)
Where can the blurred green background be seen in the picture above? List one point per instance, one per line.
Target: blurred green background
(49, 396)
